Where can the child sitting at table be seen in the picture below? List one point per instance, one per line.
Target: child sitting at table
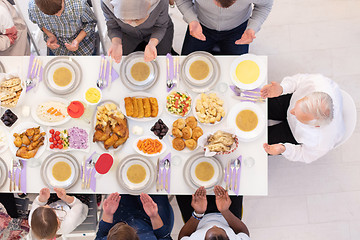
(52, 216)
(68, 25)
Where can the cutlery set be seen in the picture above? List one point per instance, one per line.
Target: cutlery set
(87, 169)
(14, 177)
(163, 175)
(172, 71)
(33, 78)
(247, 95)
(105, 76)
(232, 174)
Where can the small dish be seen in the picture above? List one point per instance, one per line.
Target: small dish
(199, 117)
(35, 111)
(178, 103)
(163, 149)
(94, 92)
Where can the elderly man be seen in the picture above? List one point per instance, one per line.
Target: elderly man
(229, 24)
(212, 217)
(310, 108)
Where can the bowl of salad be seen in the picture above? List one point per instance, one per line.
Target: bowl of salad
(178, 103)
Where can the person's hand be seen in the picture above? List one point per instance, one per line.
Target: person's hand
(222, 199)
(44, 195)
(52, 42)
(247, 37)
(73, 46)
(271, 90)
(111, 203)
(150, 52)
(116, 50)
(150, 207)
(274, 149)
(60, 192)
(199, 201)
(196, 30)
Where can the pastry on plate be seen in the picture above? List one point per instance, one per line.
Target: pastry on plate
(129, 106)
(178, 144)
(191, 122)
(196, 133)
(191, 144)
(179, 123)
(187, 132)
(147, 107)
(177, 132)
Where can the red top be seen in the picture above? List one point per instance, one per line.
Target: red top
(75, 109)
(104, 163)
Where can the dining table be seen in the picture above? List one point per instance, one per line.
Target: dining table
(254, 167)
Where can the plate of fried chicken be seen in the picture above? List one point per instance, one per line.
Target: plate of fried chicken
(111, 128)
(28, 140)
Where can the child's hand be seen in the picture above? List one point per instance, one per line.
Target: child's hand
(44, 195)
(150, 207)
(73, 46)
(60, 192)
(52, 42)
(111, 203)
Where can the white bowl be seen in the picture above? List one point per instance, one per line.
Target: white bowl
(145, 154)
(195, 112)
(89, 103)
(176, 115)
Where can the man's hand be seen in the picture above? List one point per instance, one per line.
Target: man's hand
(73, 46)
(222, 199)
(116, 50)
(111, 204)
(247, 37)
(271, 90)
(196, 30)
(52, 42)
(199, 201)
(60, 192)
(44, 195)
(274, 149)
(150, 50)
(150, 207)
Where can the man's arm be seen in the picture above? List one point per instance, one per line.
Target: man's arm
(303, 153)
(189, 228)
(113, 28)
(235, 223)
(162, 21)
(186, 7)
(259, 14)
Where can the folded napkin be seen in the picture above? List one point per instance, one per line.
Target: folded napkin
(31, 61)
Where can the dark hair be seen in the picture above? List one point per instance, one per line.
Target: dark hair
(219, 237)
(225, 3)
(49, 7)
(122, 231)
(44, 223)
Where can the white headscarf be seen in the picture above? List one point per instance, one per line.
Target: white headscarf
(134, 9)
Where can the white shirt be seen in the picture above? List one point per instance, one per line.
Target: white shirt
(71, 215)
(211, 219)
(314, 141)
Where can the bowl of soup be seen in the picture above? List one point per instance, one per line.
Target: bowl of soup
(199, 70)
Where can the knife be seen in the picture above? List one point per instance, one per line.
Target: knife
(83, 174)
(11, 174)
(227, 175)
(157, 176)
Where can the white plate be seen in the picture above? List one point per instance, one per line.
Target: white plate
(181, 91)
(47, 165)
(262, 75)
(193, 181)
(130, 187)
(145, 154)
(251, 135)
(207, 78)
(224, 107)
(3, 172)
(68, 149)
(41, 122)
(5, 76)
(20, 128)
(5, 144)
(140, 95)
(59, 62)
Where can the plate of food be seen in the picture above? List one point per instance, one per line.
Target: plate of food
(248, 71)
(178, 103)
(28, 140)
(62, 75)
(51, 112)
(111, 129)
(137, 74)
(203, 171)
(141, 106)
(185, 134)
(4, 144)
(136, 174)
(200, 71)
(248, 120)
(68, 139)
(60, 170)
(209, 108)
(12, 91)
(149, 146)
(218, 143)
(3, 172)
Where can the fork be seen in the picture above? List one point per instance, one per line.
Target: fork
(19, 167)
(99, 82)
(232, 166)
(13, 173)
(176, 70)
(162, 164)
(30, 80)
(38, 71)
(91, 164)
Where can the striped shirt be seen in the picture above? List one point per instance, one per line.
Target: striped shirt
(77, 16)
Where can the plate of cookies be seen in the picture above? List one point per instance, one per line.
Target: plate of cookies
(141, 106)
(12, 90)
(185, 133)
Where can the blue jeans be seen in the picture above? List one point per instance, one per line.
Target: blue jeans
(225, 40)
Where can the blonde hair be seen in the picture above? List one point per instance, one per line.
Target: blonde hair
(320, 105)
(44, 223)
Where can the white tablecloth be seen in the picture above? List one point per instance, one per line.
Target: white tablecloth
(254, 180)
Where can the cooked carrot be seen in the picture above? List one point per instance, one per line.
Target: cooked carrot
(149, 146)
(50, 109)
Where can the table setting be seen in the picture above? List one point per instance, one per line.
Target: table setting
(169, 126)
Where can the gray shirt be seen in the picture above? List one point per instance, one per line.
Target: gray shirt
(222, 19)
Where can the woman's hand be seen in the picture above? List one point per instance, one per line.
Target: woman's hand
(116, 50)
(44, 195)
(199, 201)
(150, 50)
(223, 200)
(150, 207)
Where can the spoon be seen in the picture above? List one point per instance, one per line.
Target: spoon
(237, 166)
(100, 82)
(232, 166)
(167, 166)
